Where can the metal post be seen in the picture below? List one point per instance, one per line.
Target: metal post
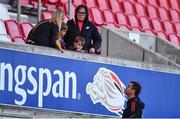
(19, 11)
(39, 10)
(69, 8)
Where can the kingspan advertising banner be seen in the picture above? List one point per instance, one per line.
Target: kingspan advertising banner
(40, 81)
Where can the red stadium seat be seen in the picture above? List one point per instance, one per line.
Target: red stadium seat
(19, 40)
(12, 28)
(25, 28)
(142, 2)
(50, 7)
(163, 13)
(91, 3)
(97, 16)
(177, 27)
(164, 3)
(24, 3)
(78, 2)
(152, 2)
(175, 4)
(46, 15)
(149, 31)
(34, 3)
(115, 6)
(63, 1)
(53, 1)
(128, 7)
(132, 1)
(103, 4)
(152, 12)
(157, 25)
(168, 26)
(140, 9)
(134, 22)
(109, 17)
(174, 15)
(174, 39)
(122, 20)
(145, 23)
(162, 35)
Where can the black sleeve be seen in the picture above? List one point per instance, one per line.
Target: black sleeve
(137, 113)
(96, 38)
(54, 34)
(67, 37)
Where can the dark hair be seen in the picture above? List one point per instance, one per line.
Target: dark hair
(137, 87)
(86, 12)
(64, 26)
(79, 38)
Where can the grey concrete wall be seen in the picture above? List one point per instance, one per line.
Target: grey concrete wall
(156, 44)
(147, 41)
(168, 50)
(118, 45)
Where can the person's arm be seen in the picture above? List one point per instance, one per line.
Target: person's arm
(136, 110)
(96, 39)
(54, 35)
(58, 45)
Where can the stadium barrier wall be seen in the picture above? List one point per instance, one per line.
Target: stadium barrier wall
(29, 80)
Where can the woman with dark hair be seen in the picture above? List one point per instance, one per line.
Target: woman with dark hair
(81, 26)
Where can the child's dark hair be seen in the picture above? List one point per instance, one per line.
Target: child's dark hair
(79, 38)
(64, 26)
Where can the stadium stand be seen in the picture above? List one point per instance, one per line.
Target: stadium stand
(146, 25)
(122, 20)
(152, 12)
(109, 18)
(157, 25)
(97, 16)
(12, 28)
(140, 10)
(174, 15)
(25, 28)
(128, 7)
(163, 14)
(177, 27)
(103, 4)
(175, 4)
(152, 2)
(115, 6)
(164, 3)
(169, 27)
(91, 3)
(134, 23)
(78, 2)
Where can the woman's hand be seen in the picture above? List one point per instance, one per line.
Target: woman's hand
(92, 50)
